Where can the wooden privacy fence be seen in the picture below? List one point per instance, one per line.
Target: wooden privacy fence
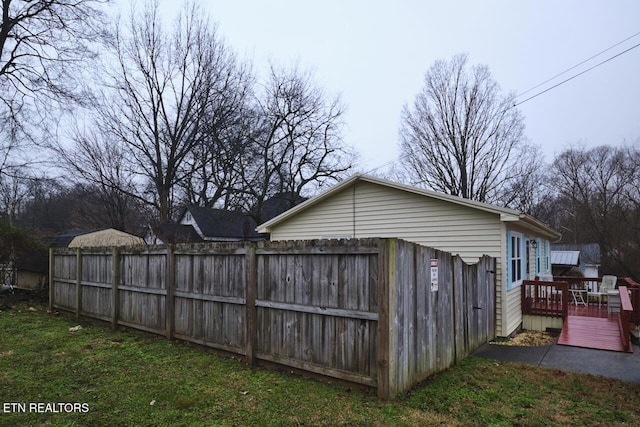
(380, 312)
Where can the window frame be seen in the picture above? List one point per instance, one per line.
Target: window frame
(547, 256)
(516, 264)
(538, 256)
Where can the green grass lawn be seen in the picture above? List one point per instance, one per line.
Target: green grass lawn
(136, 379)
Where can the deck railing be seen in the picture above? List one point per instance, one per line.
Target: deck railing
(587, 283)
(624, 318)
(634, 288)
(540, 298)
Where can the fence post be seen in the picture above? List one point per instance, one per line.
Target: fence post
(250, 302)
(170, 287)
(52, 264)
(78, 281)
(386, 363)
(115, 281)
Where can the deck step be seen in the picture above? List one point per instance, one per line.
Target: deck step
(591, 332)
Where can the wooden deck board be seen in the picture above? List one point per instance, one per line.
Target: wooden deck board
(591, 332)
(592, 310)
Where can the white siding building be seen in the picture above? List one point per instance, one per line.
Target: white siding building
(364, 206)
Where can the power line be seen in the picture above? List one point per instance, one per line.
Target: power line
(577, 75)
(544, 82)
(390, 162)
(577, 65)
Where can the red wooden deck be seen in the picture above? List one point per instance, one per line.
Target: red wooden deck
(592, 310)
(591, 327)
(602, 333)
(585, 325)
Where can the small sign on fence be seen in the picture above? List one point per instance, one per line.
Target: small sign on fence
(434, 275)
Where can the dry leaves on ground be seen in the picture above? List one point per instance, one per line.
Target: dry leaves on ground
(529, 338)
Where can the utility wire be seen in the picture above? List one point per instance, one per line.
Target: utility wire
(545, 82)
(577, 75)
(390, 162)
(577, 65)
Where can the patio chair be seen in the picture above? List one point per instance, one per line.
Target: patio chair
(608, 284)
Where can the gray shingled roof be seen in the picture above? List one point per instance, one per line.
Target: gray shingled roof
(177, 233)
(589, 252)
(219, 223)
(279, 203)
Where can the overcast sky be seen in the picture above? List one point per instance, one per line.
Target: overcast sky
(374, 54)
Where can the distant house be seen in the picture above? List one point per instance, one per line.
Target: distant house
(169, 232)
(32, 271)
(200, 224)
(585, 257)
(219, 225)
(364, 206)
(565, 263)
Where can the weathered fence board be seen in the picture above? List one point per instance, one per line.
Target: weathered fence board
(313, 307)
(432, 329)
(358, 310)
(96, 283)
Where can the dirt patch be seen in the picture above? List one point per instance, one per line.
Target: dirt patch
(528, 339)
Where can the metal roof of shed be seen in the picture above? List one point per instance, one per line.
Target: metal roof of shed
(565, 258)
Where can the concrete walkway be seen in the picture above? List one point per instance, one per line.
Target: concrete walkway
(610, 364)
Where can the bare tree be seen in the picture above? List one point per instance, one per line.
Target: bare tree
(100, 172)
(460, 135)
(164, 90)
(46, 208)
(181, 122)
(42, 47)
(526, 189)
(599, 184)
(211, 169)
(296, 140)
(14, 188)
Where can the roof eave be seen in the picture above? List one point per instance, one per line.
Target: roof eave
(506, 214)
(534, 224)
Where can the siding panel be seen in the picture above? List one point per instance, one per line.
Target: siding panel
(371, 210)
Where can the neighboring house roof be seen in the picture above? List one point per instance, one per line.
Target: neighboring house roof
(219, 224)
(589, 252)
(506, 214)
(565, 258)
(213, 224)
(175, 233)
(280, 203)
(106, 237)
